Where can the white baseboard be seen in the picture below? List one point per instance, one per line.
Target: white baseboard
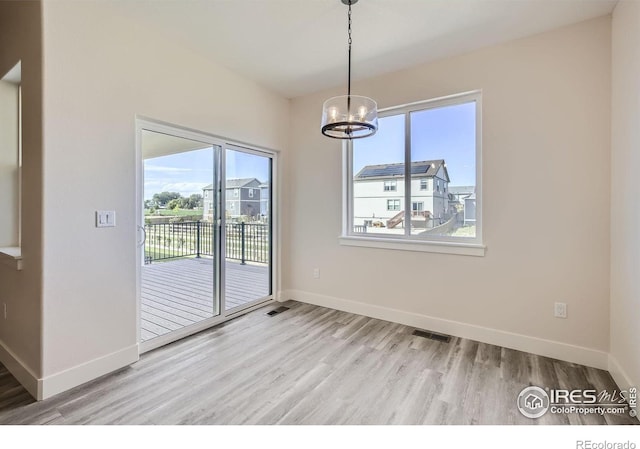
(72, 377)
(20, 370)
(619, 374)
(548, 348)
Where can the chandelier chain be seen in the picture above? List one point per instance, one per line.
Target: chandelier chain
(350, 24)
(349, 72)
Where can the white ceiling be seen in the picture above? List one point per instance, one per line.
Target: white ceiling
(297, 47)
(158, 144)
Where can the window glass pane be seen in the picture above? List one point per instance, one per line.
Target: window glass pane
(248, 229)
(443, 155)
(378, 179)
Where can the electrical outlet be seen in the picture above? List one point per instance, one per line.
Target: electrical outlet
(560, 310)
(316, 273)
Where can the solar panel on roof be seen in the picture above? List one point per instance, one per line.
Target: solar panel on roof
(417, 168)
(392, 170)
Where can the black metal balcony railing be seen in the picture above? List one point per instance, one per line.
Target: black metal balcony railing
(246, 242)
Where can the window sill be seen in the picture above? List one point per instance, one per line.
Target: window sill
(461, 249)
(11, 256)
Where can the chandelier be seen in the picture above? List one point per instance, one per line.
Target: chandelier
(349, 116)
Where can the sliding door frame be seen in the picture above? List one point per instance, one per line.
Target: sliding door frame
(149, 124)
(272, 187)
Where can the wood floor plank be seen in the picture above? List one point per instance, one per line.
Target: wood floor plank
(312, 365)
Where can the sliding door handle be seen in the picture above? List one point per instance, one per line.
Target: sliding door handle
(144, 235)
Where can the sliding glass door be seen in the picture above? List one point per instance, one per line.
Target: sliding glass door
(206, 225)
(180, 270)
(248, 227)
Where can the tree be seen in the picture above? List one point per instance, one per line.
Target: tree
(194, 201)
(162, 199)
(173, 200)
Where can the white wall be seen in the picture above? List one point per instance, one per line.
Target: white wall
(20, 333)
(625, 201)
(546, 115)
(100, 70)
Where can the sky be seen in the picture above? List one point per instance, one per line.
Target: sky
(442, 133)
(187, 173)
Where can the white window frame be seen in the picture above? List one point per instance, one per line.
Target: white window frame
(393, 201)
(250, 193)
(12, 255)
(472, 246)
(390, 185)
(424, 185)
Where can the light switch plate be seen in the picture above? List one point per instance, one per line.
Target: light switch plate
(105, 218)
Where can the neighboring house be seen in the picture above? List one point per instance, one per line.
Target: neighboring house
(207, 203)
(378, 194)
(470, 209)
(461, 192)
(265, 198)
(242, 198)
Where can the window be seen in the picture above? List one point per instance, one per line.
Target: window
(206, 194)
(435, 141)
(390, 186)
(236, 193)
(250, 193)
(11, 157)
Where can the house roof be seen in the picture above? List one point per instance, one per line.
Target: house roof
(462, 190)
(235, 183)
(242, 182)
(427, 169)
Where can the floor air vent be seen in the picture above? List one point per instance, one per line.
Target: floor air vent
(280, 309)
(432, 336)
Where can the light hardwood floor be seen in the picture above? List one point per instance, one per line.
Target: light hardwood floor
(311, 365)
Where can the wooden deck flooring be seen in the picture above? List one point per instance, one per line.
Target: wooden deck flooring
(176, 294)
